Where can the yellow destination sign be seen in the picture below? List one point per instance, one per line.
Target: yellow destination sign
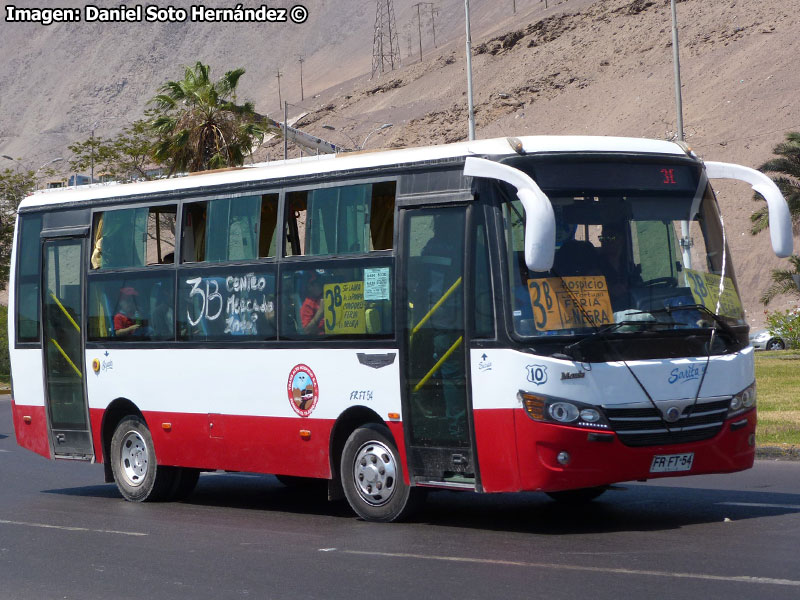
(705, 289)
(344, 308)
(570, 302)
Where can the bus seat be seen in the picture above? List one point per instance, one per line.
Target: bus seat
(577, 257)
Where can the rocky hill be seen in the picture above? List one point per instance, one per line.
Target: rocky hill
(575, 67)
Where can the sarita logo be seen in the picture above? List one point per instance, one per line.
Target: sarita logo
(690, 373)
(537, 374)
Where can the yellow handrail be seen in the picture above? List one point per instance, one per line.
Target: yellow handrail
(439, 363)
(434, 308)
(64, 310)
(64, 354)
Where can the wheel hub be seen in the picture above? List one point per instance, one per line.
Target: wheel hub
(134, 458)
(374, 472)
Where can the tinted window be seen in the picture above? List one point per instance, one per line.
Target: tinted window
(226, 303)
(352, 300)
(350, 219)
(132, 307)
(29, 252)
(133, 237)
(230, 229)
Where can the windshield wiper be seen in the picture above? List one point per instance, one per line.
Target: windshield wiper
(601, 333)
(702, 308)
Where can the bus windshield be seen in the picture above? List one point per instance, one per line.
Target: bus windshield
(635, 242)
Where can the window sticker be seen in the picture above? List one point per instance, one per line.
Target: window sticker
(377, 285)
(570, 302)
(705, 290)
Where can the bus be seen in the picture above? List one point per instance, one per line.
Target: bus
(550, 314)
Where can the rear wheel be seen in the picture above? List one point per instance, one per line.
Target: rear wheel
(372, 476)
(133, 463)
(775, 344)
(580, 496)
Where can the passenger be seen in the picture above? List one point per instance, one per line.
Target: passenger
(127, 320)
(312, 316)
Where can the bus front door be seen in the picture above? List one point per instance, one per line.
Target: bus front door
(62, 344)
(434, 348)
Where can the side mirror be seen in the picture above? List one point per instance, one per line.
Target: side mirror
(540, 220)
(780, 221)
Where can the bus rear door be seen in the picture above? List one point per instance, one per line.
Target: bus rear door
(62, 343)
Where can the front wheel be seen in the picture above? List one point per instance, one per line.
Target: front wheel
(137, 474)
(372, 476)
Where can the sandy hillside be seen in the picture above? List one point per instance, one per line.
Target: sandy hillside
(576, 67)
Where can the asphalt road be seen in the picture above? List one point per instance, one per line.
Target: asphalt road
(65, 534)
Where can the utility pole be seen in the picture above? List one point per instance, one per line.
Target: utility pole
(434, 12)
(301, 60)
(677, 61)
(385, 47)
(470, 105)
(279, 75)
(419, 28)
(285, 130)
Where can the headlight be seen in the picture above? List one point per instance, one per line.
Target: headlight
(744, 400)
(565, 412)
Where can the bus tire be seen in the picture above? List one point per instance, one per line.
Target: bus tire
(372, 476)
(579, 496)
(137, 474)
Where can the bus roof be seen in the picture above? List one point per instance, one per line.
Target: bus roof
(351, 161)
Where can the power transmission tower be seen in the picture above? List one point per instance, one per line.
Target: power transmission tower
(385, 47)
(419, 6)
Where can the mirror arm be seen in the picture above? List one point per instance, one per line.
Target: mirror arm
(540, 220)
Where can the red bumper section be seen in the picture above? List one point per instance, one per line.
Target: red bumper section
(593, 460)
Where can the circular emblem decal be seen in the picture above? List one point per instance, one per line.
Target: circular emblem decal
(303, 390)
(673, 414)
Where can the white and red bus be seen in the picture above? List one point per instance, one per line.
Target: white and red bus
(542, 313)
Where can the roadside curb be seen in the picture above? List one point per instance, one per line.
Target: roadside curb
(778, 453)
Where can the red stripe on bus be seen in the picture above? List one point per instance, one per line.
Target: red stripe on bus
(33, 435)
(242, 443)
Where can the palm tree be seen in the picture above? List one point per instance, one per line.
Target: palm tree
(787, 166)
(198, 124)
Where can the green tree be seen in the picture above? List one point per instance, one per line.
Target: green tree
(15, 184)
(786, 167)
(199, 125)
(124, 157)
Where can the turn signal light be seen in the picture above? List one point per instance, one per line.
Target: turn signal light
(394, 416)
(534, 405)
(305, 434)
(166, 426)
(27, 419)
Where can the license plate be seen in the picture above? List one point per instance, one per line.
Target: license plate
(672, 463)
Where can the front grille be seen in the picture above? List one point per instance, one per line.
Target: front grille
(645, 426)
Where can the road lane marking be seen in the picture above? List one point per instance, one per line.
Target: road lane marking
(514, 563)
(1, 450)
(65, 528)
(761, 505)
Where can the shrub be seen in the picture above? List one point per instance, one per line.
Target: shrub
(786, 324)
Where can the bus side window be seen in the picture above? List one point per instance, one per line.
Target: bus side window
(133, 237)
(136, 307)
(351, 219)
(29, 259)
(230, 229)
(340, 301)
